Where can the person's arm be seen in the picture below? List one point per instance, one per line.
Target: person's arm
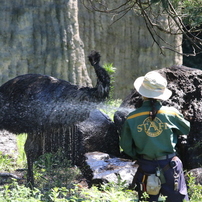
(183, 125)
(127, 142)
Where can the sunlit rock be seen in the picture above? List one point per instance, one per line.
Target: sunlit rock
(196, 174)
(110, 169)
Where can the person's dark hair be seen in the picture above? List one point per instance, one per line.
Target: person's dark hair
(153, 111)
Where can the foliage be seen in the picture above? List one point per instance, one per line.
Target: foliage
(6, 162)
(109, 68)
(53, 170)
(111, 105)
(21, 160)
(19, 193)
(189, 10)
(192, 13)
(49, 189)
(182, 17)
(195, 190)
(111, 71)
(108, 192)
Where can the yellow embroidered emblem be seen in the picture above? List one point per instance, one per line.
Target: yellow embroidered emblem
(152, 128)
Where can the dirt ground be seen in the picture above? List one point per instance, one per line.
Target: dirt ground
(8, 144)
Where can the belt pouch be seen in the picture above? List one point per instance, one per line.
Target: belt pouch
(153, 184)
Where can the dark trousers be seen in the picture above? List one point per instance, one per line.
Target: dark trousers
(172, 192)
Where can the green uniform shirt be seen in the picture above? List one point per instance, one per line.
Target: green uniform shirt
(141, 135)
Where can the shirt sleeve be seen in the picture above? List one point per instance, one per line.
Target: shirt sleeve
(183, 125)
(127, 142)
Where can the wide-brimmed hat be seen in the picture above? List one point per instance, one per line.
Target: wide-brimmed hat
(152, 85)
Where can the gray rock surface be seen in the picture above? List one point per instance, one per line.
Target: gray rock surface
(110, 169)
(196, 173)
(41, 37)
(54, 38)
(126, 43)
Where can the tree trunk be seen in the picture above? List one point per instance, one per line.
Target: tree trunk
(41, 37)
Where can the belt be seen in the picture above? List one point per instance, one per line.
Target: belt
(158, 158)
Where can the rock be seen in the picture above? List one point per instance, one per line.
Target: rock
(105, 168)
(110, 169)
(50, 37)
(99, 133)
(130, 46)
(26, 45)
(196, 173)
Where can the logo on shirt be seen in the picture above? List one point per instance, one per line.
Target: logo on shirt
(152, 128)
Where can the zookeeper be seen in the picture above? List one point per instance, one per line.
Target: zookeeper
(149, 135)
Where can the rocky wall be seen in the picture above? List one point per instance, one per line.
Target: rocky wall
(127, 44)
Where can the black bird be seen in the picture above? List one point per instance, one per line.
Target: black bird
(46, 108)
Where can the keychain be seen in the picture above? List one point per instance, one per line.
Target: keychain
(160, 174)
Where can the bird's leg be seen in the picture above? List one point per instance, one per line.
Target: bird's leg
(30, 176)
(32, 150)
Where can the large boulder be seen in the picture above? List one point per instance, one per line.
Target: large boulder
(105, 168)
(186, 86)
(99, 133)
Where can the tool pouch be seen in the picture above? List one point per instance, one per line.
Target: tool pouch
(153, 184)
